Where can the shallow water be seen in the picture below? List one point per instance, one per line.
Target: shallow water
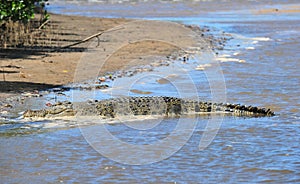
(248, 150)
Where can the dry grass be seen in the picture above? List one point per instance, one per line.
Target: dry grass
(60, 30)
(32, 35)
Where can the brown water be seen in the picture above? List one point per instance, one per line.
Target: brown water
(247, 150)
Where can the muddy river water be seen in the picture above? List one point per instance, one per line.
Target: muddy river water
(260, 66)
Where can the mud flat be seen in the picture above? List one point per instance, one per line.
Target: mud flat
(37, 68)
(25, 72)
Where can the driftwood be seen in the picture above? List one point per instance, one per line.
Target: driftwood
(42, 25)
(91, 37)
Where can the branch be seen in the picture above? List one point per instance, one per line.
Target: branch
(90, 37)
(41, 26)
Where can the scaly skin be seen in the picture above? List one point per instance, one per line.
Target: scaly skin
(136, 106)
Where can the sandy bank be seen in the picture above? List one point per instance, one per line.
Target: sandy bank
(28, 70)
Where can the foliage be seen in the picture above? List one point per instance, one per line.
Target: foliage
(21, 10)
(16, 25)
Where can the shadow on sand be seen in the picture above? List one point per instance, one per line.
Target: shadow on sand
(25, 52)
(19, 87)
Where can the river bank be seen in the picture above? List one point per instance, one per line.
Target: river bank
(122, 44)
(27, 69)
(260, 67)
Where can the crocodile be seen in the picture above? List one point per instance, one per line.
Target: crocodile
(137, 106)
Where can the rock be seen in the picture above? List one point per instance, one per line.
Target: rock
(102, 79)
(57, 89)
(31, 94)
(4, 112)
(48, 104)
(105, 86)
(7, 106)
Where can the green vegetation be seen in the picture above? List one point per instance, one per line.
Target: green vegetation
(22, 10)
(18, 21)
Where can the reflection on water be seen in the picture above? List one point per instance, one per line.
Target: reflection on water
(245, 149)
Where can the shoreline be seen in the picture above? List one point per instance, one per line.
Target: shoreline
(26, 70)
(31, 72)
(259, 64)
(34, 67)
